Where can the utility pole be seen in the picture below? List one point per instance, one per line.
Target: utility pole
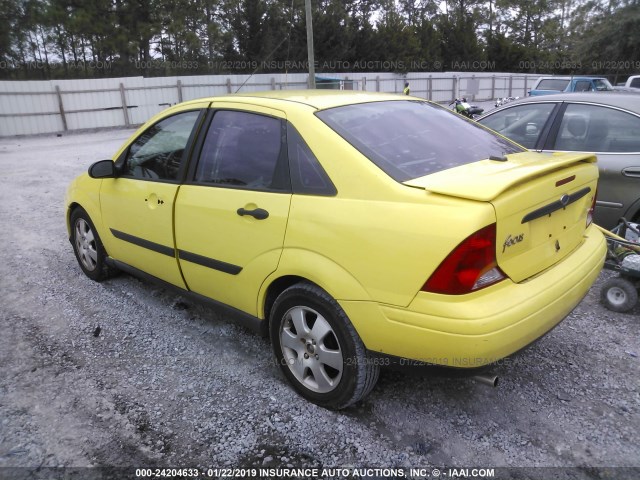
(312, 67)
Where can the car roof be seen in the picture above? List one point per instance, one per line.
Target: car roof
(317, 99)
(578, 77)
(624, 100)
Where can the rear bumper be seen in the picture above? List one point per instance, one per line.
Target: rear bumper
(477, 329)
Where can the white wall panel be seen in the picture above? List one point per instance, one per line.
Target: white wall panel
(32, 107)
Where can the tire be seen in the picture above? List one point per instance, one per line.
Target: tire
(317, 348)
(619, 295)
(88, 247)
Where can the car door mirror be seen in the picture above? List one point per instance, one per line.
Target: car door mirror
(102, 169)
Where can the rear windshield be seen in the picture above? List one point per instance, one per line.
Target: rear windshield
(411, 139)
(553, 84)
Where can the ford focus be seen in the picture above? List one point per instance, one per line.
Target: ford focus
(349, 228)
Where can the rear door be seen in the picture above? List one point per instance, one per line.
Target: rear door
(231, 215)
(613, 135)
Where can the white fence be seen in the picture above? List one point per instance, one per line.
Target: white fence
(32, 107)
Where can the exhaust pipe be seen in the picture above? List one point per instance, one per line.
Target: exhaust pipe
(490, 380)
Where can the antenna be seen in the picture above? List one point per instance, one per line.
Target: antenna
(260, 66)
(288, 37)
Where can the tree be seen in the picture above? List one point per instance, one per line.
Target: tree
(615, 38)
(459, 37)
(165, 37)
(396, 40)
(503, 53)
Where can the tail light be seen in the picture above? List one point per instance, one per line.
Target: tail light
(470, 266)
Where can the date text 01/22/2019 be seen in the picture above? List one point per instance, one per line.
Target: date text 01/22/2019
(617, 65)
(259, 473)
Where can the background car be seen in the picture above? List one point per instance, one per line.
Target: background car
(605, 123)
(633, 82)
(351, 228)
(550, 85)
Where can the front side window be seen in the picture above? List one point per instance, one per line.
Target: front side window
(583, 86)
(602, 85)
(594, 128)
(158, 153)
(244, 150)
(521, 123)
(411, 139)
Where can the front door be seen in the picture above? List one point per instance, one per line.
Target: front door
(137, 206)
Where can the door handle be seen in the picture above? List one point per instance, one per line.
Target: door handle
(631, 172)
(258, 213)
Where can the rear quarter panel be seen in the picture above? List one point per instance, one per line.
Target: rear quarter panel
(376, 239)
(390, 248)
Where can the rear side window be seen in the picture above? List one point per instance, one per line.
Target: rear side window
(592, 128)
(552, 84)
(411, 139)
(307, 175)
(244, 150)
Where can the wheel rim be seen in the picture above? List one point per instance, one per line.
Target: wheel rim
(85, 243)
(616, 296)
(311, 349)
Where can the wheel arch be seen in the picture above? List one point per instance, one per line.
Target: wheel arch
(297, 265)
(85, 193)
(70, 209)
(272, 292)
(93, 213)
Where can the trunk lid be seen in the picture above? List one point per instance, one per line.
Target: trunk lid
(540, 201)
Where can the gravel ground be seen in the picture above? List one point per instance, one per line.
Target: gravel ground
(165, 382)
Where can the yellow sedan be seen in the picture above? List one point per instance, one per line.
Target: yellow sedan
(354, 229)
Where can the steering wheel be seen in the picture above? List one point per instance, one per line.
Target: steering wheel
(171, 164)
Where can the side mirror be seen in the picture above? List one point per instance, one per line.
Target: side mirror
(103, 169)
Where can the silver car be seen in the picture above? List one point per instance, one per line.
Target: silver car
(606, 123)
